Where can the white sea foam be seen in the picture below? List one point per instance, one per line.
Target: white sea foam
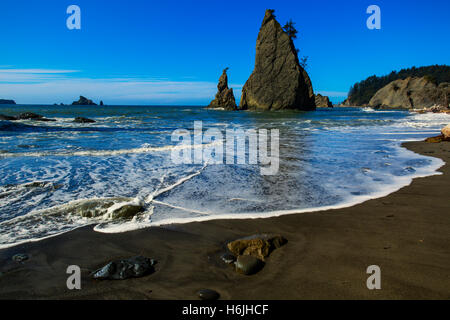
(182, 194)
(99, 153)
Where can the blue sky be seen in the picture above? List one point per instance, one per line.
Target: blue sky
(173, 52)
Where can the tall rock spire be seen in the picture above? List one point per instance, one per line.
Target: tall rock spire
(224, 96)
(278, 81)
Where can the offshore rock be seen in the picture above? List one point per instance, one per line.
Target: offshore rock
(32, 116)
(83, 101)
(5, 117)
(278, 81)
(323, 101)
(126, 268)
(83, 120)
(224, 96)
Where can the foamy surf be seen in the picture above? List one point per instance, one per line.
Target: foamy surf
(329, 160)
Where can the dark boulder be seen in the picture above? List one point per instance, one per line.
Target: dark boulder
(32, 116)
(224, 96)
(127, 211)
(278, 81)
(248, 265)
(5, 117)
(83, 120)
(126, 268)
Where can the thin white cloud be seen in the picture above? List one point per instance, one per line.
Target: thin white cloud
(49, 89)
(37, 71)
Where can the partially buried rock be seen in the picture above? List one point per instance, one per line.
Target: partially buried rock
(437, 139)
(127, 268)
(93, 208)
(224, 96)
(20, 257)
(248, 265)
(208, 294)
(259, 246)
(83, 120)
(127, 211)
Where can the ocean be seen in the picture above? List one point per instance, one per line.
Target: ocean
(58, 176)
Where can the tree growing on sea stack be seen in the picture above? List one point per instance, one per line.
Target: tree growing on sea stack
(278, 81)
(224, 96)
(290, 29)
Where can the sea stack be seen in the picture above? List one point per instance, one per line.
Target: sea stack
(278, 81)
(323, 101)
(83, 101)
(224, 96)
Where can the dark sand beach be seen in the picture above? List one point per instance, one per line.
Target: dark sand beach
(406, 233)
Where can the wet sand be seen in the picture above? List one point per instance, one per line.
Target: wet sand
(406, 233)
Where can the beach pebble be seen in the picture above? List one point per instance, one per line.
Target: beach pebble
(248, 265)
(228, 258)
(208, 294)
(126, 268)
(20, 257)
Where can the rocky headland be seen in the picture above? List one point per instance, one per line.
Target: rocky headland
(224, 97)
(6, 101)
(278, 81)
(412, 93)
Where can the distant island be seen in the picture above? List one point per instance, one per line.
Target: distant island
(5, 101)
(83, 101)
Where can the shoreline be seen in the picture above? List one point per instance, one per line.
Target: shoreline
(406, 233)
